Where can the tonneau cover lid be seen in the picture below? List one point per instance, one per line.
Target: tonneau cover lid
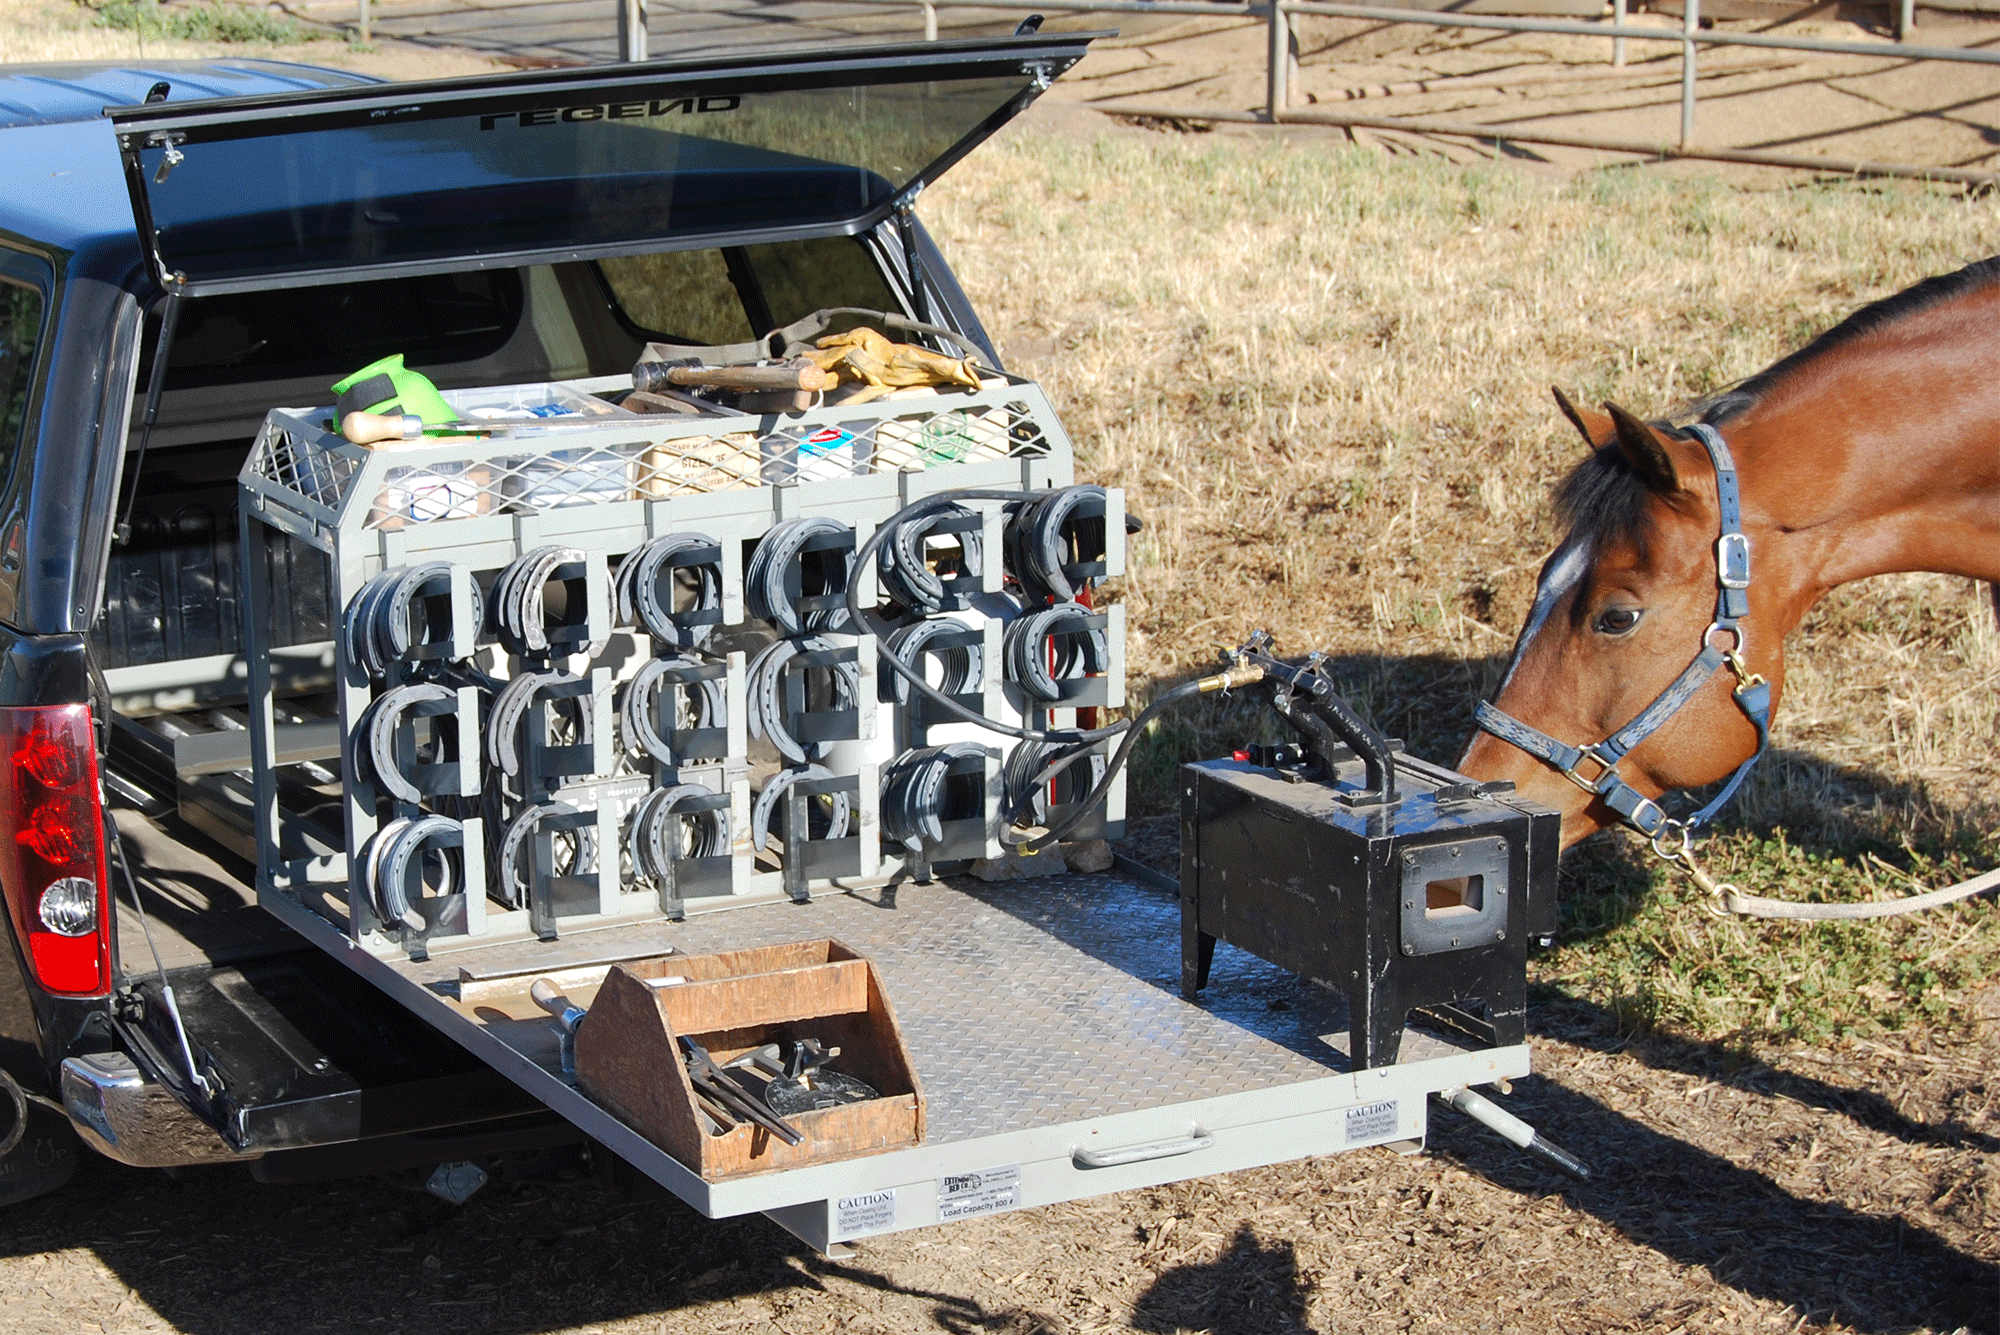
(332, 185)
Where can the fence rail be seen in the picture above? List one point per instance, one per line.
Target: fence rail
(1281, 61)
(1280, 64)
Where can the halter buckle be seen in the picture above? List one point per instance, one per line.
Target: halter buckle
(1732, 561)
(1591, 786)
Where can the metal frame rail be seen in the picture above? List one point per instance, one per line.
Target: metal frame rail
(1281, 62)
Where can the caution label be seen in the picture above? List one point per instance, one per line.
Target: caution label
(1371, 1122)
(963, 1195)
(870, 1212)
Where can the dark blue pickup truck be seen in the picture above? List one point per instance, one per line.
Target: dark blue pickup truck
(355, 817)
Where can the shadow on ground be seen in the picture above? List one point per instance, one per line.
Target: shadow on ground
(1830, 1263)
(213, 1253)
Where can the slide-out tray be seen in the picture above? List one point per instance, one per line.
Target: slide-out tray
(1045, 1020)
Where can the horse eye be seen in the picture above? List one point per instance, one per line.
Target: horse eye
(1618, 620)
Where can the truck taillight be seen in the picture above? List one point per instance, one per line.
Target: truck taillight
(52, 847)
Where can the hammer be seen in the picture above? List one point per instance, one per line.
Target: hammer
(793, 376)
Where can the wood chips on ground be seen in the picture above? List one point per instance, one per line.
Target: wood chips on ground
(1776, 1191)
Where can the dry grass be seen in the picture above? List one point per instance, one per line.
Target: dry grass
(41, 30)
(1322, 375)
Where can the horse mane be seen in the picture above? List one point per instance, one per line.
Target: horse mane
(1734, 401)
(1603, 498)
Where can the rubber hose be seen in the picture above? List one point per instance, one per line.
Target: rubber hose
(838, 807)
(1185, 690)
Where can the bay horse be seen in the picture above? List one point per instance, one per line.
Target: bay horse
(1873, 449)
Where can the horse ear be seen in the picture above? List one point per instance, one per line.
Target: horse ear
(1593, 426)
(1647, 450)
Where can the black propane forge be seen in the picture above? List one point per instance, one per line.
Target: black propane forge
(1398, 883)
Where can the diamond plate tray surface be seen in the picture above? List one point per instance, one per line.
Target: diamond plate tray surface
(1052, 1001)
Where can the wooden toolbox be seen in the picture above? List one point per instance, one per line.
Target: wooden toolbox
(629, 1058)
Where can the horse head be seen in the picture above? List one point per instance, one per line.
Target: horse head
(1623, 608)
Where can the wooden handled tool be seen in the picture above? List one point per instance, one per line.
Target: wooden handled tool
(795, 375)
(382, 428)
(374, 428)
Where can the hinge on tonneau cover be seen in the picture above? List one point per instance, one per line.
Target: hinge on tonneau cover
(172, 158)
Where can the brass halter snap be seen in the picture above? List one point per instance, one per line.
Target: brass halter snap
(1733, 655)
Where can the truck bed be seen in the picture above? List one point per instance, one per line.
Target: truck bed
(1043, 1017)
(200, 900)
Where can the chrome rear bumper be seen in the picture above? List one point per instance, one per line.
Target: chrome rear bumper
(124, 1114)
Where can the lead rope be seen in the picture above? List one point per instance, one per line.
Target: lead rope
(1725, 900)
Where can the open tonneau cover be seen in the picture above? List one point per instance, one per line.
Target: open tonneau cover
(333, 185)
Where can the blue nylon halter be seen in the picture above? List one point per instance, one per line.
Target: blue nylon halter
(1752, 693)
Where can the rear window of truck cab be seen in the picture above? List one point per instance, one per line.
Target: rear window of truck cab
(435, 320)
(22, 315)
(739, 293)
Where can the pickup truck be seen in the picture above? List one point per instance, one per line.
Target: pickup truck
(188, 975)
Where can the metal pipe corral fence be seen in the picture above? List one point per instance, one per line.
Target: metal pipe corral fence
(1281, 57)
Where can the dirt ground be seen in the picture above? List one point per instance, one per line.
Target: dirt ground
(1847, 1188)
(1777, 1191)
(1852, 107)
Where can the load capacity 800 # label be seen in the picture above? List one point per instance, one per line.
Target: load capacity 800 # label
(984, 1191)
